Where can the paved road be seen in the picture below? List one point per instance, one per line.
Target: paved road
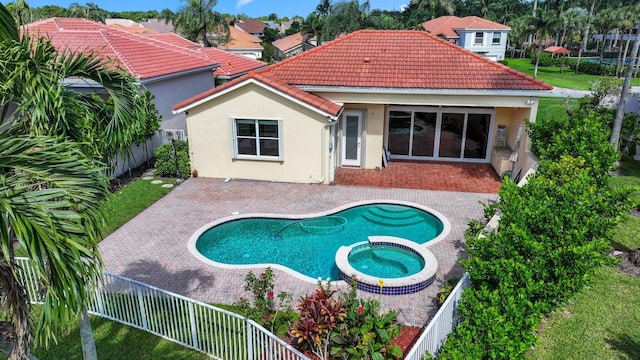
(563, 92)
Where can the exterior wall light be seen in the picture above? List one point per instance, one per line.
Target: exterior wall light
(530, 101)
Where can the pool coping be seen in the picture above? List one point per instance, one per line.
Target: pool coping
(446, 229)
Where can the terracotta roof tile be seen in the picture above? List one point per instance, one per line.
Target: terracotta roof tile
(138, 54)
(399, 59)
(384, 59)
(288, 42)
(267, 79)
(447, 25)
(241, 40)
(251, 26)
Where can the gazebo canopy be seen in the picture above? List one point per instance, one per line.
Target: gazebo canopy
(557, 50)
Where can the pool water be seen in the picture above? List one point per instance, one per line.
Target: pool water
(385, 261)
(309, 246)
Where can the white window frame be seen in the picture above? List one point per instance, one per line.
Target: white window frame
(493, 39)
(481, 37)
(258, 156)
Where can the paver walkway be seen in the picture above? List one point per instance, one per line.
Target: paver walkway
(152, 247)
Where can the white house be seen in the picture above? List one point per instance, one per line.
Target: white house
(479, 35)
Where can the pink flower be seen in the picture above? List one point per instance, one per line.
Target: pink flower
(360, 309)
(241, 298)
(270, 294)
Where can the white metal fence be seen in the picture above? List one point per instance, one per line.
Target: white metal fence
(434, 336)
(216, 332)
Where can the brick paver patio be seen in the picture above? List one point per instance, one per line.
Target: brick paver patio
(152, 247)
(425, 175)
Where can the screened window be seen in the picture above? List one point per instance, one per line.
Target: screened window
(257, 139)
(479, 38)
(496, 38)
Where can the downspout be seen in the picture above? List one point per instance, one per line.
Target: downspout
(333, 120)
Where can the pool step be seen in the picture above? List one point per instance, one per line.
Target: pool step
(392, 214)
(415, 219)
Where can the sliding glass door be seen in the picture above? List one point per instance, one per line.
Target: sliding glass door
(439, 133)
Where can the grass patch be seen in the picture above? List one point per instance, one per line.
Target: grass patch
(131, 200)
(554, 108)
(552, 76)
(600, 323)
(116, 341)
(627, 235)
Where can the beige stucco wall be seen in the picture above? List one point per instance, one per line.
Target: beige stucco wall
(210, 138)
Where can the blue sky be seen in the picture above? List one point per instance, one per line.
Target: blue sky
(252, 8)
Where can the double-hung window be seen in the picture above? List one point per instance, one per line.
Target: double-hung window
(496, 38)
(479, 38)
(257, 139)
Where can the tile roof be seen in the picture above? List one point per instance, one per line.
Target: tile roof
(287, 43)
(251, 26)
(241, 40)
(158, 25)
(270, 81)
(138, 54)
(385, 60)
(401, 59)
(231, 65)
(447, 25)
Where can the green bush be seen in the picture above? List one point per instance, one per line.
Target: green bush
(555, 231)
(166, 160)
(586, 138)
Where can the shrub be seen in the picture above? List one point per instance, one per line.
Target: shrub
(554, 232)
(264, 309)
(166, 160)
(586, 138)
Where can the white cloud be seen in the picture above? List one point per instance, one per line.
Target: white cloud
(242, 3)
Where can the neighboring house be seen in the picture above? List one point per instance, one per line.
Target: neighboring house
(158, 25)
(231, 65)
(169, 72)
(128, 25)
(250, 26)
(244, 44)
(290, 45)
(358, 100)
(473, 33)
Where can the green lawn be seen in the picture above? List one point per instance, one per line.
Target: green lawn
(553, 108)
(601, 322)
(552, 76)
(116, 341)
(131, 200)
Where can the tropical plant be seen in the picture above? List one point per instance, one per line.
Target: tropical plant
(199, 23)
(173, 160)
(435, 7)
(320, 315)
(52, 183)
(542, 23)
(36, 98)
(50, 209)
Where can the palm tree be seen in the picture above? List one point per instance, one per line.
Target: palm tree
(51, 187)
(573, 18)
(435, 7)
(633, 63)
(606, 20)
(346, 17)
(542, 23)
(198, 22)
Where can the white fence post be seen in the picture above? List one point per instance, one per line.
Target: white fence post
(143, 313)
(194, 330)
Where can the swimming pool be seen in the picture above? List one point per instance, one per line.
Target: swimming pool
(307, 244)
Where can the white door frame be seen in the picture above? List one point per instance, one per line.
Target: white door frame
(343, 141)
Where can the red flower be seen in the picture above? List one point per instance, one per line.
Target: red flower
(360, 309)
(270, 294)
